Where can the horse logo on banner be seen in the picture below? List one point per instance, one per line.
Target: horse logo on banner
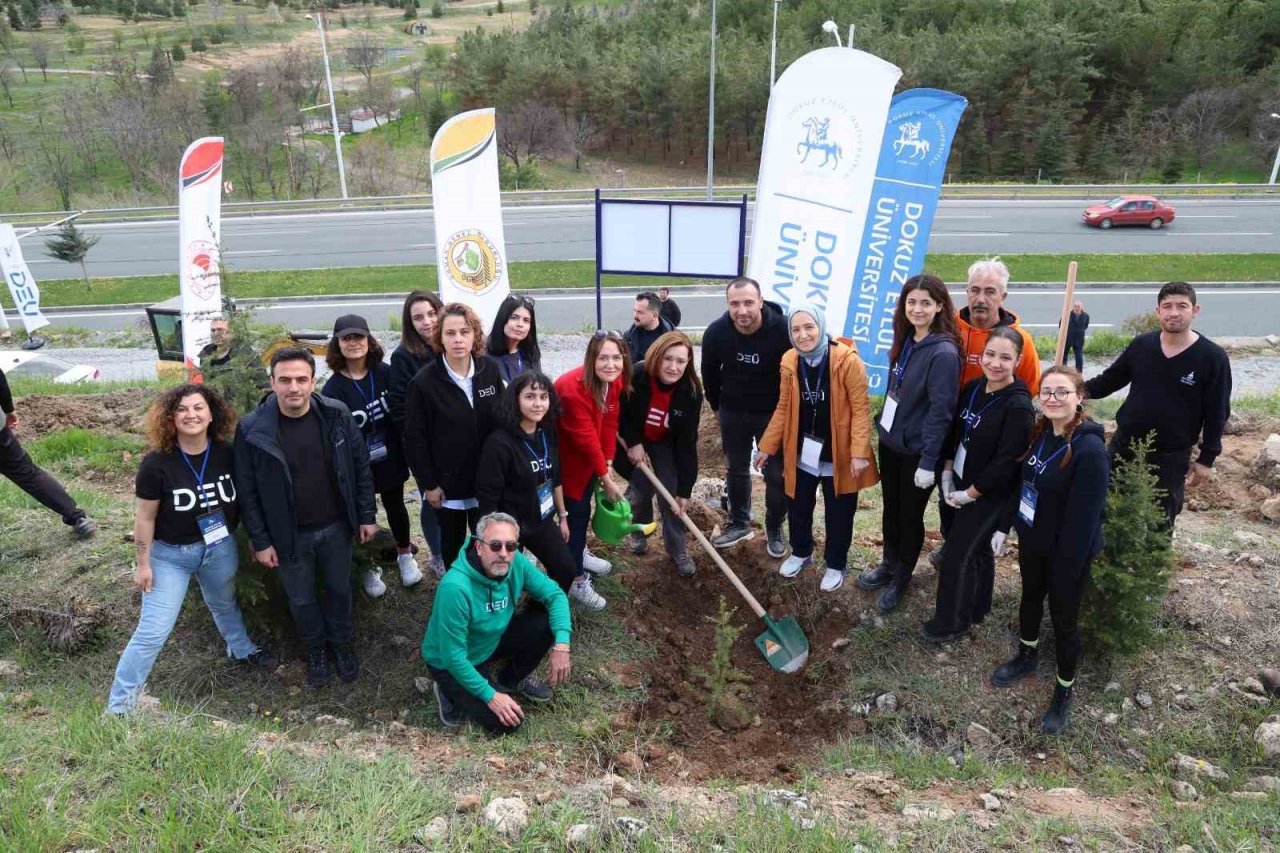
(909, 137)
(815, 139)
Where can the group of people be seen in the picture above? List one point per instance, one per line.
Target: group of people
(507, 461)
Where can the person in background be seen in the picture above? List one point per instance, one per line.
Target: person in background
(988, 436)
(513, 340)
(474, 626)
(660, 428)
(591, 402)
(823, 429)
(305, 488)
(923, 384)
(16, 464)
(182, 528)
(520, 472)
(1065, 476)
(418, 320)
(226, 362)
(670, 310)
(741, 356)
(360, 378)
(1077, 325)
(648, 326)
(1179, 390)
(451, 409)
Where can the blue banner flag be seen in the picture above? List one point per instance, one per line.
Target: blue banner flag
(904, 198)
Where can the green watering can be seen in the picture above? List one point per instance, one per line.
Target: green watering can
(612, 520)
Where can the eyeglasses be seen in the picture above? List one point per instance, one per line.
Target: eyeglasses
(1056, 393)
(499, 545)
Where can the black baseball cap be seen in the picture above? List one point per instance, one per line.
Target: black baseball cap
(350, 324)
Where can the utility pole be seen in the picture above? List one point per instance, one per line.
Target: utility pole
(333, 105)
(711, 110)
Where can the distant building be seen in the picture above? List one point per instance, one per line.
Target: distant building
(418, 28)
(363, 120)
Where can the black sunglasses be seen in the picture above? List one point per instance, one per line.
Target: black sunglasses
(607, 335)
(523, 301)
(500, 545)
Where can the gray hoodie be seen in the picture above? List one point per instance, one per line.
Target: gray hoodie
(926, 393)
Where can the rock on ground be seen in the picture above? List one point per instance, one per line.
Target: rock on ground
(981, 737)
(1183, 792)
(630, 828)
(433, 833)
(1267, 736)
(580, 836)
(508, 816)
(1190, 769)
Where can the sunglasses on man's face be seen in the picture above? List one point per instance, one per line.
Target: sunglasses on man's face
(500, 545)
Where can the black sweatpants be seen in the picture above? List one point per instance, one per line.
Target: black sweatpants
(737, 431)
(1065, 591)
(397, 514)
(967, 576)
(903, 512)
(16, 464)
(546, 543)
(523, 646)
(455, 524)
(838, 511)
(1171, 475)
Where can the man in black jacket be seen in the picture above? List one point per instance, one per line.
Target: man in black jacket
(670, 310)
(1077, 324)
(741, 369)
(648, 325)
(302, 472)
(16, 464)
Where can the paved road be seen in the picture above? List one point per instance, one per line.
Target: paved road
(566, 232)
(1227, 311)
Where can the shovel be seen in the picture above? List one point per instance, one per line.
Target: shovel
(783, 644)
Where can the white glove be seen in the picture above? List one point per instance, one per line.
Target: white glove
(997, 543)
(923, 479)
(948, 482)
(959, 498)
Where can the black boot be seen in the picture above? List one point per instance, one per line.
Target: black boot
(1016, 668)
(895, 592)
(879, 577)
(1055, 719)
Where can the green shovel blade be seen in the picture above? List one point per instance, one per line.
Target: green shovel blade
(783, 644)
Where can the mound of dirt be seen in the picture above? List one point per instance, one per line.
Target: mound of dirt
(117, 411)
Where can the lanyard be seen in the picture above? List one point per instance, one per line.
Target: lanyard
(545, 459)
(203, 466)
(808, 389)
(977, 416)
(1044, 464)
(373, 389)
(901, 367)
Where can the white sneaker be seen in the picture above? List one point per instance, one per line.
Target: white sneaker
(585, 594)
(832, 580)
(373, 585)
(409, 571)
(793, 565)
(436, 565)
(595, 565)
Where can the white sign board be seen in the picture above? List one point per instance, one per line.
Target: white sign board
(677, 238)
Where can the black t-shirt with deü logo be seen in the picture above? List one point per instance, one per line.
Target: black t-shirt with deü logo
(165, 477)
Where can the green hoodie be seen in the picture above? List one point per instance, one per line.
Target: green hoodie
(471, 612)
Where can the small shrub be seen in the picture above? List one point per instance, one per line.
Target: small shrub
(501, 8)
(1138, 324)
(177, 53)
(1106, 342)
(437, 9)
(198, 45)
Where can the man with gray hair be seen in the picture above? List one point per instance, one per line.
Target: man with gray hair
(474, 625)
(985, 292)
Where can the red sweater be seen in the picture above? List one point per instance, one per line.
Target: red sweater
(588, 436)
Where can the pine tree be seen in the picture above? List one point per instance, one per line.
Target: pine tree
(71, 245)
(1131, 575)
(177, 52)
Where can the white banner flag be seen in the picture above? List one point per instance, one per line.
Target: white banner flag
(822, 141)
(199, 242)
(22, 284)
(471, 250)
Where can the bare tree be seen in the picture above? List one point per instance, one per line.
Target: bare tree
(40, 53)
(6, 81)
(531, 131)
(56, 163)
(364, 54)
(8, 142)
(583, 131)
(78, 117)
(1206, 116)
(215, 10)
(372, 167)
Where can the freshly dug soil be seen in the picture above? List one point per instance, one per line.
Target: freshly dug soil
(116, 411)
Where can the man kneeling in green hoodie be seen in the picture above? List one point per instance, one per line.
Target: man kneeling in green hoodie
(473, 624)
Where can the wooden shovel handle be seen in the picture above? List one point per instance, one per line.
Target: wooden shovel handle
(1068, 296)
(693, 528)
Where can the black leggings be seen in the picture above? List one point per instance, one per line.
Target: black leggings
(968, 571)
(455, 524)
(397, 514)
(546, 543)
(1065, 591)
(903, 512)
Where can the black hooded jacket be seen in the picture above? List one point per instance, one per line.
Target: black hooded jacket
(510, 473)
(743, 372)
(997, 428)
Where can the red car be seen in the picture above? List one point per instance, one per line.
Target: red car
(1129, 210)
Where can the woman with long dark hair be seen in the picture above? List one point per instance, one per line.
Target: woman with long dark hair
(591, 402)
(980, 474)
(924, 379)
(450, 411)
(418, 319)
(659, 425)
(513, 340)
(360, 378)
(182, 528)
(520, 472)
(1059, 508)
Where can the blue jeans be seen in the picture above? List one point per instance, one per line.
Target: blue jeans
(579, 513)
(172, 566)
(431, 529)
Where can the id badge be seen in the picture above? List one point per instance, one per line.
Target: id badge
(1027, 504)
(546, 505)
(213, 527)
(811, 452)
(958, 463)
(890, 409)
(377, 449)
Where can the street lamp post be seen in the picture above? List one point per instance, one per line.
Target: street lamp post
(711, 108)
(333, 104)
(773, 47)
(1275, 168)
(623, 174)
